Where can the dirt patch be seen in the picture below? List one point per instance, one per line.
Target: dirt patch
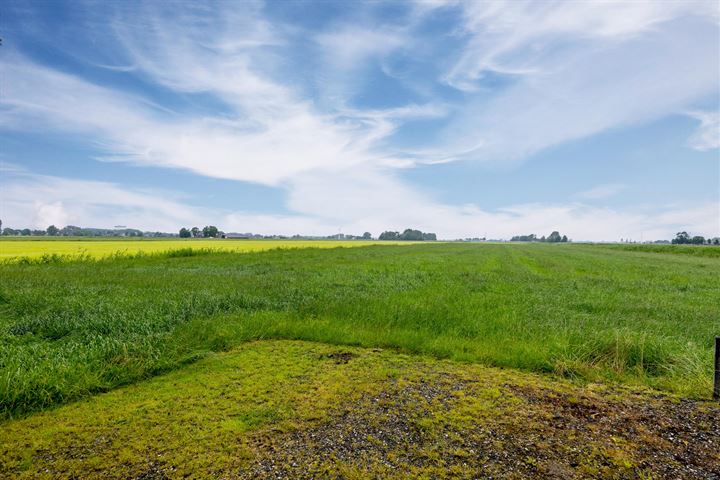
(154, 472)
(657, 436)
(377, 431)
(452, 427)
(340, 357)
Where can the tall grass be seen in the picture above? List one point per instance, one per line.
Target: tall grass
(72, 328)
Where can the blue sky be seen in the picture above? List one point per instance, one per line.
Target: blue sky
(598, 119)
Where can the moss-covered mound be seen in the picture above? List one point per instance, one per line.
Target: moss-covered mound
(279, 409)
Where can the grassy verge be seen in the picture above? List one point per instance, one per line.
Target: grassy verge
(279, 409)
(72, 329)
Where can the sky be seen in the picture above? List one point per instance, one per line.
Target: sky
(468, 119)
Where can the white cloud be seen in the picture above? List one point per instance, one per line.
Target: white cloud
(612, 71)
(589, 87)
(707, 136)
(602, 191)
(283, 141)
(348, 48)
(49, 214)
(9, 167)
(267, 133)
(39, 200)
(220, 50)
(509, 36)
(360, 202)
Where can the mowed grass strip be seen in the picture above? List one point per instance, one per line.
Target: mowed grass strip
(71, 329)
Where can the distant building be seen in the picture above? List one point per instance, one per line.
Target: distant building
(239, 236)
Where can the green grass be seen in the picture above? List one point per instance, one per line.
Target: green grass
(697, 250)
(71, 329)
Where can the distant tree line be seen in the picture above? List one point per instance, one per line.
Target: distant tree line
(208, 231)
(73, 231)
(554, 237)
(337, 236)
(683, 238)
(211, 231)
(408, 234)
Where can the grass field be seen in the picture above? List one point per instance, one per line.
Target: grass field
(93, 247)
(74, 328)
(372, 362)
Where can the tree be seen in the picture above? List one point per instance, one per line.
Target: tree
(524, 238)
(697, 240)
(410, 234)
(681, 238)
(367, 236)
(429, 237)
(195, 232)
(52, 230)
(26, 231)
(389, 236)
(554, 237)
(71, 231)
(185, 233)
(210, 231)
(564, 238)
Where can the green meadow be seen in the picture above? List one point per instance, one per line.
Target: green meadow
(74, 328)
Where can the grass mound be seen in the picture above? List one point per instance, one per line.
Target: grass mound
(277, 409)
